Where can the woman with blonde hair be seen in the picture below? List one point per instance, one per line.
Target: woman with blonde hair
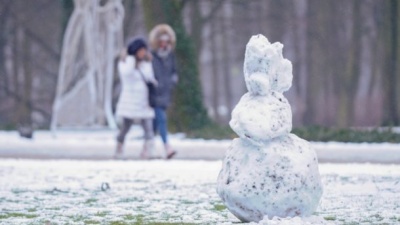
(162, 41)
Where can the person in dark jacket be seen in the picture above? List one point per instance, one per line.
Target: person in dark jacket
(162, 41)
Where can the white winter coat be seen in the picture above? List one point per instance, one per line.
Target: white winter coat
(133, 102)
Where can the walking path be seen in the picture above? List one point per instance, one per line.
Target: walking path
(97, 145)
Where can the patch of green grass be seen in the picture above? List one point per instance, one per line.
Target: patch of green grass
(139, 219)
(13, 201)
(331, 218)
(102, 213)
(188, 202)
(91, 222)
(366, 221)
(134, 199)
(130, 217)
(351, 223)
(395, 218)
(212, 132)
(317, 133)
(311, 133)
(46, 222)
(78, 218)
(54, 208)
(32, 209)
(148, 223)
(91, 200)
(18, 191)
(166, 223)
(18, 215)
(121, 223)
(219, 207)
(378, 217)
(162, 223)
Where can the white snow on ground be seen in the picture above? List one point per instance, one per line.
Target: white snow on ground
(91, 137)
(396, 129)
(69, 192)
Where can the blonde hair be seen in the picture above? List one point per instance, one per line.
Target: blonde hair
(160, 30)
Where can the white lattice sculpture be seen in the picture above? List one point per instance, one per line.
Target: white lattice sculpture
(91, 42)
(267, 171)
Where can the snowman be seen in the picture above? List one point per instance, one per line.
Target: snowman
(267, 171)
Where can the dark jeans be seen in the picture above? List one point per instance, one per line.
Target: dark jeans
(126, 126)
(160, 123)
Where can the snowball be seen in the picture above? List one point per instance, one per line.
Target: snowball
(260, 119)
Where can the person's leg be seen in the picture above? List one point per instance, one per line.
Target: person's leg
(155, 126)
(148, 146)
(162, 123)
(126, 125)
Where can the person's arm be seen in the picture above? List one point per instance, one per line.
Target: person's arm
(123, 54)
(147, 70)
(126, 65)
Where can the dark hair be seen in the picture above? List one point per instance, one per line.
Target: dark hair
(135, 45)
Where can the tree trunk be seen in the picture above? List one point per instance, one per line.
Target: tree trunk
(16, 72)
(226, 63)
(396, 101)
(3, 21)
(390, 81)
(197, 26)
(215, 77)
(313, 58)
(300, 65)
(26, 100)
(351, 73)
(394, 70)
(368, 48)
(130, 10)
(67, 9)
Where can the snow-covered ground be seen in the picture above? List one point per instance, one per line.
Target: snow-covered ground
(140, 192)
(100, 144)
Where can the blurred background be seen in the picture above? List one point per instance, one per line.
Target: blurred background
(345, 56)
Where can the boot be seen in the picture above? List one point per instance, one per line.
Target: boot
(119, 152)
(148, 148)
(169, 151)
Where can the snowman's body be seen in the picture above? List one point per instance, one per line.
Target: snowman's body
(268, 171)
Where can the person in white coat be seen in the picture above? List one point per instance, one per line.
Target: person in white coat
(135, 69)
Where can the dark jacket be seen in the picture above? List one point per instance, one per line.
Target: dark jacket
(166, 75)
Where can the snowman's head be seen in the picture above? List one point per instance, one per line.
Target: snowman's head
(265, 69)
